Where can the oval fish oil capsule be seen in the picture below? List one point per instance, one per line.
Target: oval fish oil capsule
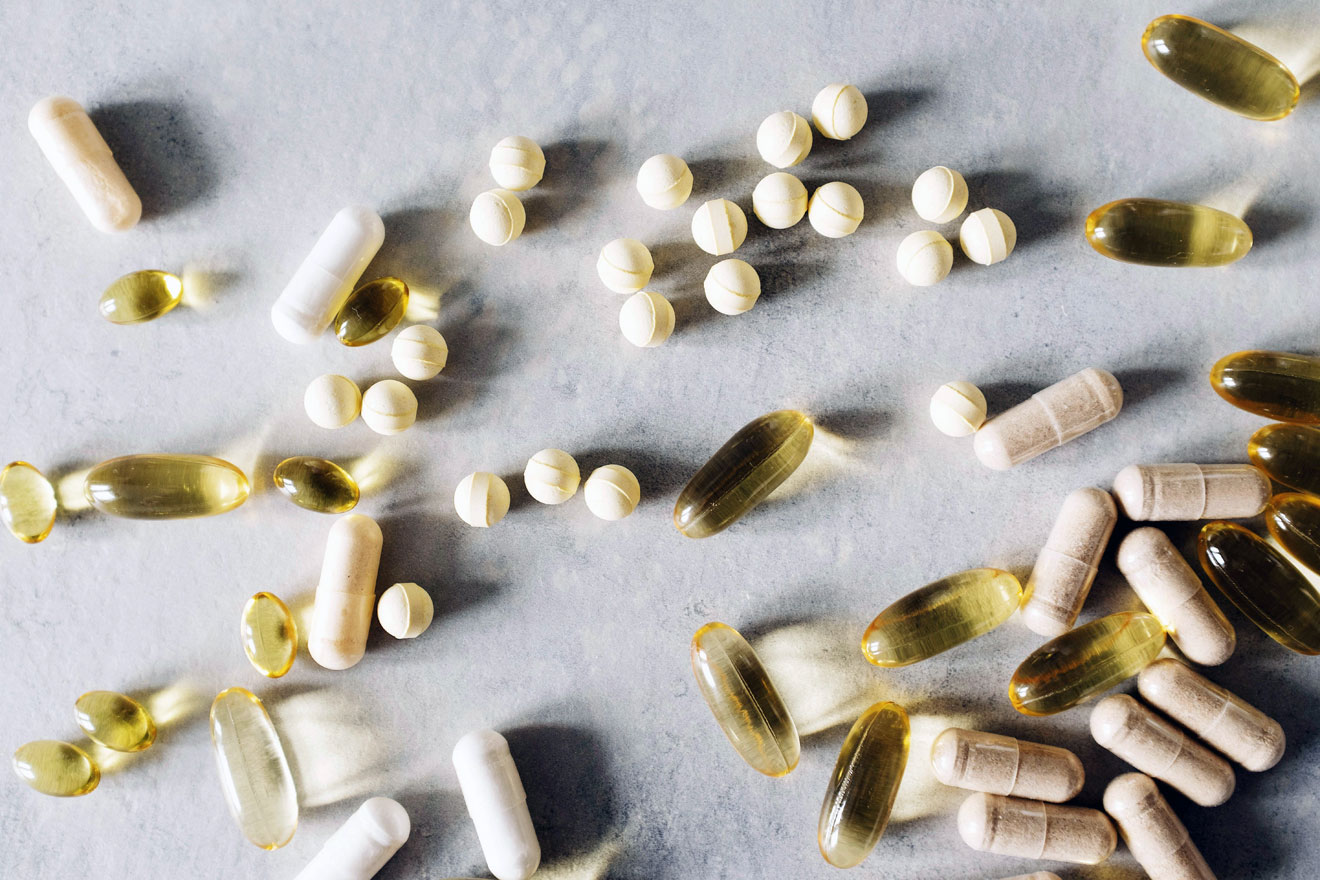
(1191, 491)
(1219, 717)
(371, 311)
(1155, 232)
(1030, 829)
(115, 721)
(940, 616)
(27, 502)
(1289, 454)
(865, 781)
(141, 296)
(58, 769)
(82, 159)
(1294, 521)
(1064, 411)
(346, 592)
(1003, 765)
(326, 277)
(269, 634)
(1158, 840)
(1084, 662)
(1067, 564)
(165, 486)
(1273, 384)
(254, 773)
(497, 803)
(362, 845)
(317, 484)
(744, 700)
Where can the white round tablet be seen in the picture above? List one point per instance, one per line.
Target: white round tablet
(664, 181)
(939, 194)
(732, 286)
(958, 409)
(497, 216)
(517, 163)
(987, 236)
(779, 200)
(835, 210)
(783, 139)
(389, 407)
(719, 227)
(839, 111)
(552, 476)
(612, 492)
(481, 499)
(924, 258)
(625, 265)
(332, 401)
(419, 352)
(646, 319)
(405, 611)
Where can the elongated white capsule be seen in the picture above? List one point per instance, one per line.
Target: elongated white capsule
(1191, 491)
(362, 845)
(999, 764)
(1030, 829)
(82, 159)
(1067, 564)
(346, 593)
(497, 803)
(1049, 418)
(326, 277)
(1157, 838)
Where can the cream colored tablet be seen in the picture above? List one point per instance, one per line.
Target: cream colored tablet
(419, 352)
(625, 265)
(664, 181)
(1067, 564)
(732, 287)
(958, 409)
(497, 216)
(1157, 838)
(361, 846)
(389, 407)
(1031, 829)
(924, 258)
(839, 111)
(346, 592)
(517, 163)
(312, 298)
(405, 610)
(332, 401)
(481, 499)
(1191, 491)
(646, 319)
(835, 209)
(497, 803)
(939, 194)
(612, 492)
(1050, 418)
(552, 476)
(987, 236)
(82, 159)
(779, 200)
(719, 227)
(783, 139)
(1003, 765)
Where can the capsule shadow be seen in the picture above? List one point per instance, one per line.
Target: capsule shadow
(1140, 385)
(1271, 224)
(417, 249)
(162, 150)
(438, 817)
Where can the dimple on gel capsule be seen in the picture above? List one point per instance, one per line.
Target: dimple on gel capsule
(1191, 491)
(82, 159)
(1062, 412)
(497, 803)
(1158, 840)
(362, 845)
(1003, 765)
(326, 277)
(341, 615)
(1030, 829)
(1067, 564)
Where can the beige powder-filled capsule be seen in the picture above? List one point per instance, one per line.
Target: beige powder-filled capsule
(1035, 875)
(1030, 829)
(999, 764)
(1157, 838)
(82, 159)
(1219, 717)
(1066, 566)
(1064, 411)
(1164, 581)
(1159, 748)
(346, 593)
(1191, 491)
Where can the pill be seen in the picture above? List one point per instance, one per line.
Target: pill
(497, 216)
(732, 286)
(1060, 413)
(719, 227)
(517, 163)
(316, 484)
(481, 499)
(958, 409)
(1032, 829)
(744, 700)
(646, 319)
(1035, 875)
(1155, 232)
(987, 236)
(116, 721)
(82, 159)
(389, 407)
(1166, 584)
(326, 277)
(1157, 838)
(1191, 491)
(27, 502)
(1273, 384)
(664, 181)
(940, 616)
(497, 803)
(1293, 520)
(332, 401)
(612, 492)
(1067, 564)
(924, 258)
(835, 209)
(998, 764)
(346, 592)
(862, 788)
(140, 296)
(371, 311)
(363, 844)
(58, 769)
(1219, 717)
(779, 200)
(269, 635)
(254, 772)
(839, 111)
(1288, 454)
(783, 139)
(165, 486)
(419, 352)
(405, 610)
(552, 476)
(625, 265)
(939, 194)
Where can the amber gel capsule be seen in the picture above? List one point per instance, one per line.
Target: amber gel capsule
(254, 774)
(864, 784)
(27, 502)
(317, 484)
(141, 296)
(371, 311)
(1290, 454)
(115, 721)
(743, 472)
(58, 769)
(940, 616)
(1155, 232)
(269, 634)
(165, 486)
(1273, 384)
(1294, 521)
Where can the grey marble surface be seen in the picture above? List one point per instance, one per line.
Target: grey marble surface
(246, 125)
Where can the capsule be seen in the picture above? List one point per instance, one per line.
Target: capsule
(82, 159)
(1062, 412)
(141, 296)
(1191, 491)
(27, 502)
(58, 769)
(1164, 581)
(1219, 717)
(115, 721)
(1220, 67)
(862, 789)
(1294, 521)
(744, 700)
(1263, 584)
(254, 774)
(998, 764)
(362, 845)
(1084, 662)
(317, 484)
(326, 277)
(1030, 829)
(940, 616)
(1067, 564)
(1158, 840)
(269, 634)
(1155, 232)
(371, 311)
(1289, 454)
(346, 593)
(497, 803)
(165, 486)
(1273, 384)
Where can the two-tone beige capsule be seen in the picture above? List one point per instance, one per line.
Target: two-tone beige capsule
(1064, 411)
(1003, 765)
(1029, 829)
(1158, 840)
(1191, 491)
(81, 157)
(1067, 564)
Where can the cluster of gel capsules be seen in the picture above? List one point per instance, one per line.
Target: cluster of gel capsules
(1020, 788)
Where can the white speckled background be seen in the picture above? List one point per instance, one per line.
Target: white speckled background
(245, 126)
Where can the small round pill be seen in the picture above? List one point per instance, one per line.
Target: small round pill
(783, 139)
(625, 265)
(497, 217)
(939, 195)
(332, 401)
(987, 236)
(719, 227)
(389, 407)
(839, 111)
(958, 409)
(482, 499)
(665, 181)
(835, 210)
(646, 319)
(612, 492)
(517, 163)
(924, 258)
(732, 286)
(419, 352)
(779, 200)
(552, 476)
(405, 611)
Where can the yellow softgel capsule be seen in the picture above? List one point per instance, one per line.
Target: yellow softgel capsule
(115, 721)
(941, 615)
(1156, 232)
(58, 769)
(164, 486)
(317, 484)
(371, 311)
(1294, 521)
(254, 774)
(1288, 454)
(27, 502)
(141, 296)
(269, 634)
(1274, 384)
(862, 789)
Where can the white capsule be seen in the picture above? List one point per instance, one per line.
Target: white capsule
(664, 181)
(497, 216)
(719, 227)
(332, 401)
(1067, 564)
(924, 258)
(612, 492)
(517, 163)
(346, 592)
(1191, 491)
(497, 803)
(405, 610)
(1158, 840)
(999, 764)
(1030, 829)
(779, 200)
(481, 499)
(1064, 411)
(839, 111)
(419, 352)
(958, 409)
(783, 139)
(82, 159)
(625, 265)
(732, 287)
(939, 194)
(363, 844)
(326, 277)
(552, 476)
(835, 209)
(646, 319)
(987, 236)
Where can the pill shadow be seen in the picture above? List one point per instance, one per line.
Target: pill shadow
(438, 817)
(573, 169)
(1271, 224)
(692, 310)
(519, 497)
(421, 549)
(660, 477)
(1038, 211)
(161, 148)
(884, 107)
(480, 347)
(679, 266)
(721, 177)
(1003, 396)
(415, 248)
(780, 279)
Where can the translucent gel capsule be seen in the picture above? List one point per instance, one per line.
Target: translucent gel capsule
(270, 636)
(940, 616)
(1223, 69)
(317, 484)
(1155, 232)
(371, 311)
(115, 721)
(862, 789)
(165, 486)
(254, 774)
(141, 296)
(1273, 384)
(1289, 454)
(1084, 662)
(744, 700)
(58, 769)
(27, 502)
(1263, 584)
(1294, 521)
(743, 472)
